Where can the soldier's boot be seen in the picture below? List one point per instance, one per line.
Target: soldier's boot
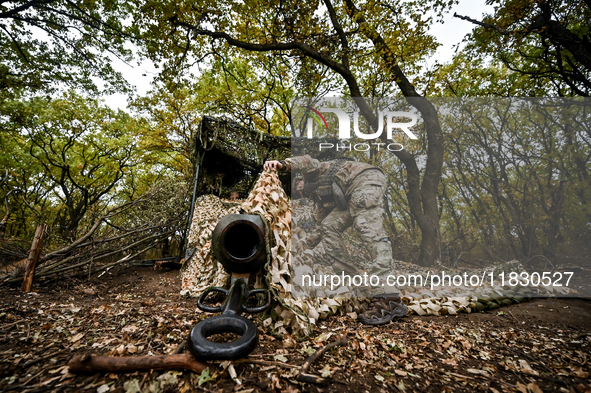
(382, 309)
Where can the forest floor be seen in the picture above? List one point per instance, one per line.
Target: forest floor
(539, 345)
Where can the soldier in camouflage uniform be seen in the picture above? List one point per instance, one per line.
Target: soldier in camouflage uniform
(348, 193)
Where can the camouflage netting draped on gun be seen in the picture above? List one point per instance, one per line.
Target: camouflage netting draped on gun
(268, 199)
(201, 270)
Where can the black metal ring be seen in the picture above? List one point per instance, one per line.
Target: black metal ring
(201, 300)
(204, 349)
(258, 309)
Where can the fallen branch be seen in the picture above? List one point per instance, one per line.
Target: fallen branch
(127, 259)
(52, 271)
(52, 265)
(127, 364)
(303, 376)
(110, 213)
(267, 363)
(180, 348)
(12, 324)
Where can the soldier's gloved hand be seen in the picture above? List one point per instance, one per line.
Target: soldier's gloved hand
(272, 166)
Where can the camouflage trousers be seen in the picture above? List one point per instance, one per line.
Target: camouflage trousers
(366, 213)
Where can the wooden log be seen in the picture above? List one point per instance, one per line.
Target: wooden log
(128, 364)
(34, 253)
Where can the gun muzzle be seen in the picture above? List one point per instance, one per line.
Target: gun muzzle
(240, 243)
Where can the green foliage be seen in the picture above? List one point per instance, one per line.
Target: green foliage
(181, 37)
(46, 43)
(469, 75)
(68, 155)
(204, 377)
(546, 44)
(233, 89)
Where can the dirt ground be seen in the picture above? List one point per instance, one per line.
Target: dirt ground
(539, 345)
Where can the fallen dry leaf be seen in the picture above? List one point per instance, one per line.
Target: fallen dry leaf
(77, 337)
(534, 388)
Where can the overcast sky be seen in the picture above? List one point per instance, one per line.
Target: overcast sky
(449, 34)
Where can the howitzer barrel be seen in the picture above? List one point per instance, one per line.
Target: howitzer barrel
(239, 242)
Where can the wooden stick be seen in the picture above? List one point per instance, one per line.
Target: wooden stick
(34, 253)
(92, 364)
(303, 376)
(11, 324)
(266, 363)
(180, 348)
(42, 358)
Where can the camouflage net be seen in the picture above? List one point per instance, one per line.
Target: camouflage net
(299, 315)
(201, 270)
(231, 156)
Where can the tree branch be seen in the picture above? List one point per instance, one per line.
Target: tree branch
(89, 233)
(337, 26)
(277, 46)
(23, 7)
(483, 24)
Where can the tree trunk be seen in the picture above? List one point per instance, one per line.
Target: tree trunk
(554, 223)
(430, 243)
(34, 253)
(4, 221)
(3, 224)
